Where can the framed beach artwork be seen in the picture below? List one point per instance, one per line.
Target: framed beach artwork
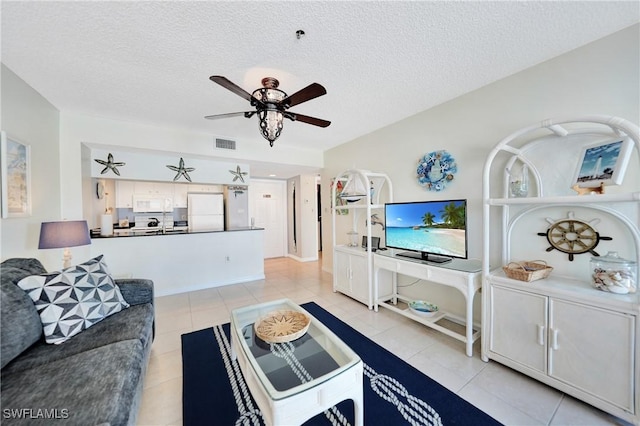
(15, 165)
(603, 163)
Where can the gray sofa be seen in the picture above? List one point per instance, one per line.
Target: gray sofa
(94, 378)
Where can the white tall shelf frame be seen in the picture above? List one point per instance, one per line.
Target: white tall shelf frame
(553, 310)
(360, 283)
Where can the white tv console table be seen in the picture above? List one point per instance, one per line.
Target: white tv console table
(464, 275)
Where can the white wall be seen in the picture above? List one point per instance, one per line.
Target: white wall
(600, 78)
(31, 119)
(302, 246)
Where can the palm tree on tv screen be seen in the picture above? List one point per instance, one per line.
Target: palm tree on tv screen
(453, 215)
(427, 219)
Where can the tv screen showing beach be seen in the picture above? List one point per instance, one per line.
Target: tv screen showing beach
(437, 227)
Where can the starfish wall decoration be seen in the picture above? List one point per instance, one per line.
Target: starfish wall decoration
(182, 170)
(238, 174)
(109, 165)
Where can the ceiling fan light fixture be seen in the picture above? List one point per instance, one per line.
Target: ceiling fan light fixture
(272, 104)
(270, 124)
(271, 119)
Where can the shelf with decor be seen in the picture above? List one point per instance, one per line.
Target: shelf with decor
(562, 329)
(358, 196)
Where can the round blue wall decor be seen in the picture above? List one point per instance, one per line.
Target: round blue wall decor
(436, 170)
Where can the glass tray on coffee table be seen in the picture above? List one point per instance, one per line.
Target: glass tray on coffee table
(293, 381)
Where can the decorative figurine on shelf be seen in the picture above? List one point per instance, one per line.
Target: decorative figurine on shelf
(375, 220)
(519, 182)
(589, 189)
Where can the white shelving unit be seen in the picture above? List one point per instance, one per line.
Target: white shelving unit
(561, 330)
(353, 265)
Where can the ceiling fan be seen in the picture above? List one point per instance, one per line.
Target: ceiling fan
(272, 105)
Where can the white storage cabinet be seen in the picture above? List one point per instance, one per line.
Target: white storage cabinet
(561, 330)
(350, 272)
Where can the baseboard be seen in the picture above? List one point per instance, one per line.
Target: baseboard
(302, 259)
(204, 286)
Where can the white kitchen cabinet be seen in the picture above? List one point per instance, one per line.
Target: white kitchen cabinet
(349, 258)
(180, 198)
(160, 189)
(194, 187)
(124, 194)
(350, 273)
(561, 330)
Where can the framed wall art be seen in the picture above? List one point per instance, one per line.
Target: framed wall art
(15, 165)
(604, 163)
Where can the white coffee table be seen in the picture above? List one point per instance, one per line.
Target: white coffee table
(292, 382)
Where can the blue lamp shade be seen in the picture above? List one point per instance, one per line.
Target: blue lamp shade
(68, 233)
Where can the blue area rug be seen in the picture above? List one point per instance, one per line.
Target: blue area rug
(395, 393)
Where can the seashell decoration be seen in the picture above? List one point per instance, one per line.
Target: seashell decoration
(614, 281)
(614, 274)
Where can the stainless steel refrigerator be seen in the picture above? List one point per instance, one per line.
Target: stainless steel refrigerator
(236, 207)
(205, 211)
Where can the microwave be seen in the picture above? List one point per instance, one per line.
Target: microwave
(146, 204)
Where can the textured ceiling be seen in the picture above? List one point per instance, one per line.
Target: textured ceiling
(380, 62)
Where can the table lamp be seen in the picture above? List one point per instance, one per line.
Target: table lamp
(64, 234)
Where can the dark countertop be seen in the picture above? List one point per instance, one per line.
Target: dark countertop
(155, 232)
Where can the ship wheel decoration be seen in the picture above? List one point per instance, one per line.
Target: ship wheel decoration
(573, 236)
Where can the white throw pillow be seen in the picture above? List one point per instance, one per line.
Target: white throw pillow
(73, 299)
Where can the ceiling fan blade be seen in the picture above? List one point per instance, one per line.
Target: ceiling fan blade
(229, 85)
(306, 119)
(310, 92)
(247, 114)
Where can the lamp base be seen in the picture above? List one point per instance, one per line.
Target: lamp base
(66, 258)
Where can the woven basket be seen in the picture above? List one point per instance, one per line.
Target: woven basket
(282, 326)
(527, 271)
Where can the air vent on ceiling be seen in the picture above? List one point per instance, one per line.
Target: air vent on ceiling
(225, 144)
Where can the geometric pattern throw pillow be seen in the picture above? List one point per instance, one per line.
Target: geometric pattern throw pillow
(73, 299)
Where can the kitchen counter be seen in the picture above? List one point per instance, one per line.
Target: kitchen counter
(130, 232)
(183, 261)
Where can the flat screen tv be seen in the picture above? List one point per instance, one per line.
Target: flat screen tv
(434, 231)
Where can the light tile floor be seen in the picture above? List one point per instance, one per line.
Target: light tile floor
(508, 396)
